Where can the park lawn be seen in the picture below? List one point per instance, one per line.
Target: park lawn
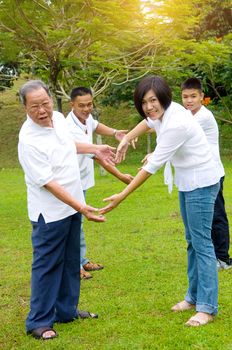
(143, 249)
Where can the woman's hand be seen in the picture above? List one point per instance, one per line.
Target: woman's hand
(119, 134)
(133, 142)
(121, 150)
(114, 200)
(144, 160)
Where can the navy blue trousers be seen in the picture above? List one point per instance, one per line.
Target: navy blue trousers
(55, 279)
(220, 227)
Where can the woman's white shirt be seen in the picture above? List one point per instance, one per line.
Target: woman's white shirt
(83, 133)
(181, 140)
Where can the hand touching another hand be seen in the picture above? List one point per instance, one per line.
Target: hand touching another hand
(115, 200)
(119, 134)
(89, 213)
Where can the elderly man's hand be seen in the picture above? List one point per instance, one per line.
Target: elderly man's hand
(91, 213)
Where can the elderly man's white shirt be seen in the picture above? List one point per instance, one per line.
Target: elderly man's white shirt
(181, 140)
(209, 125)
(83, 133)
(46, 154)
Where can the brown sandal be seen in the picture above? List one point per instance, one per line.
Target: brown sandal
(85, 275)
(89, 266)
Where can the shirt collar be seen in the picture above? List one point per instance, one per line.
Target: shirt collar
(78, 123)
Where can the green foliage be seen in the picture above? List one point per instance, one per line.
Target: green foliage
(216, 18)
(110, 45)
(66, 38)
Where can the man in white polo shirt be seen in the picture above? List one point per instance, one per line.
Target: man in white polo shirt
(47, 154)
(82, 125)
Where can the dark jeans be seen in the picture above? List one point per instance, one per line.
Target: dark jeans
(55, 280)
(220, 227)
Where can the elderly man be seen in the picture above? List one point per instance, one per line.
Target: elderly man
(47, 154)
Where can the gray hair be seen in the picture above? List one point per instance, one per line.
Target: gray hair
(30, 86)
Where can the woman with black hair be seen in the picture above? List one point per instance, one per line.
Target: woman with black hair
(181, 141)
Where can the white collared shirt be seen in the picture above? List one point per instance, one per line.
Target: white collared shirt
(46, 154)
(209, 125)
(83, 133)
(181, 140)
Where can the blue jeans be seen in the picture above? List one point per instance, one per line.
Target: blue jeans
(84, 260)
(197, 209)
(55, 280)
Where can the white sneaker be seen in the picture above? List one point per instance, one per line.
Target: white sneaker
(222, 265)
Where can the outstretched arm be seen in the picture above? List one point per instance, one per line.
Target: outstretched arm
(59, 192)
(103, 152)
(116, 199)
(138, 130)
(105, 130)
(126, 178)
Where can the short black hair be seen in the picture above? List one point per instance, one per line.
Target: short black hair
(80, 91)
(159, 86)
(191, 83)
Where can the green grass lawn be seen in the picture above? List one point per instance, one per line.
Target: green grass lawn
(143, 249)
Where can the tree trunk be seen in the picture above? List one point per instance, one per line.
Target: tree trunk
(96, 115)
(59, 103)
(148, 143)
(99, 142)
